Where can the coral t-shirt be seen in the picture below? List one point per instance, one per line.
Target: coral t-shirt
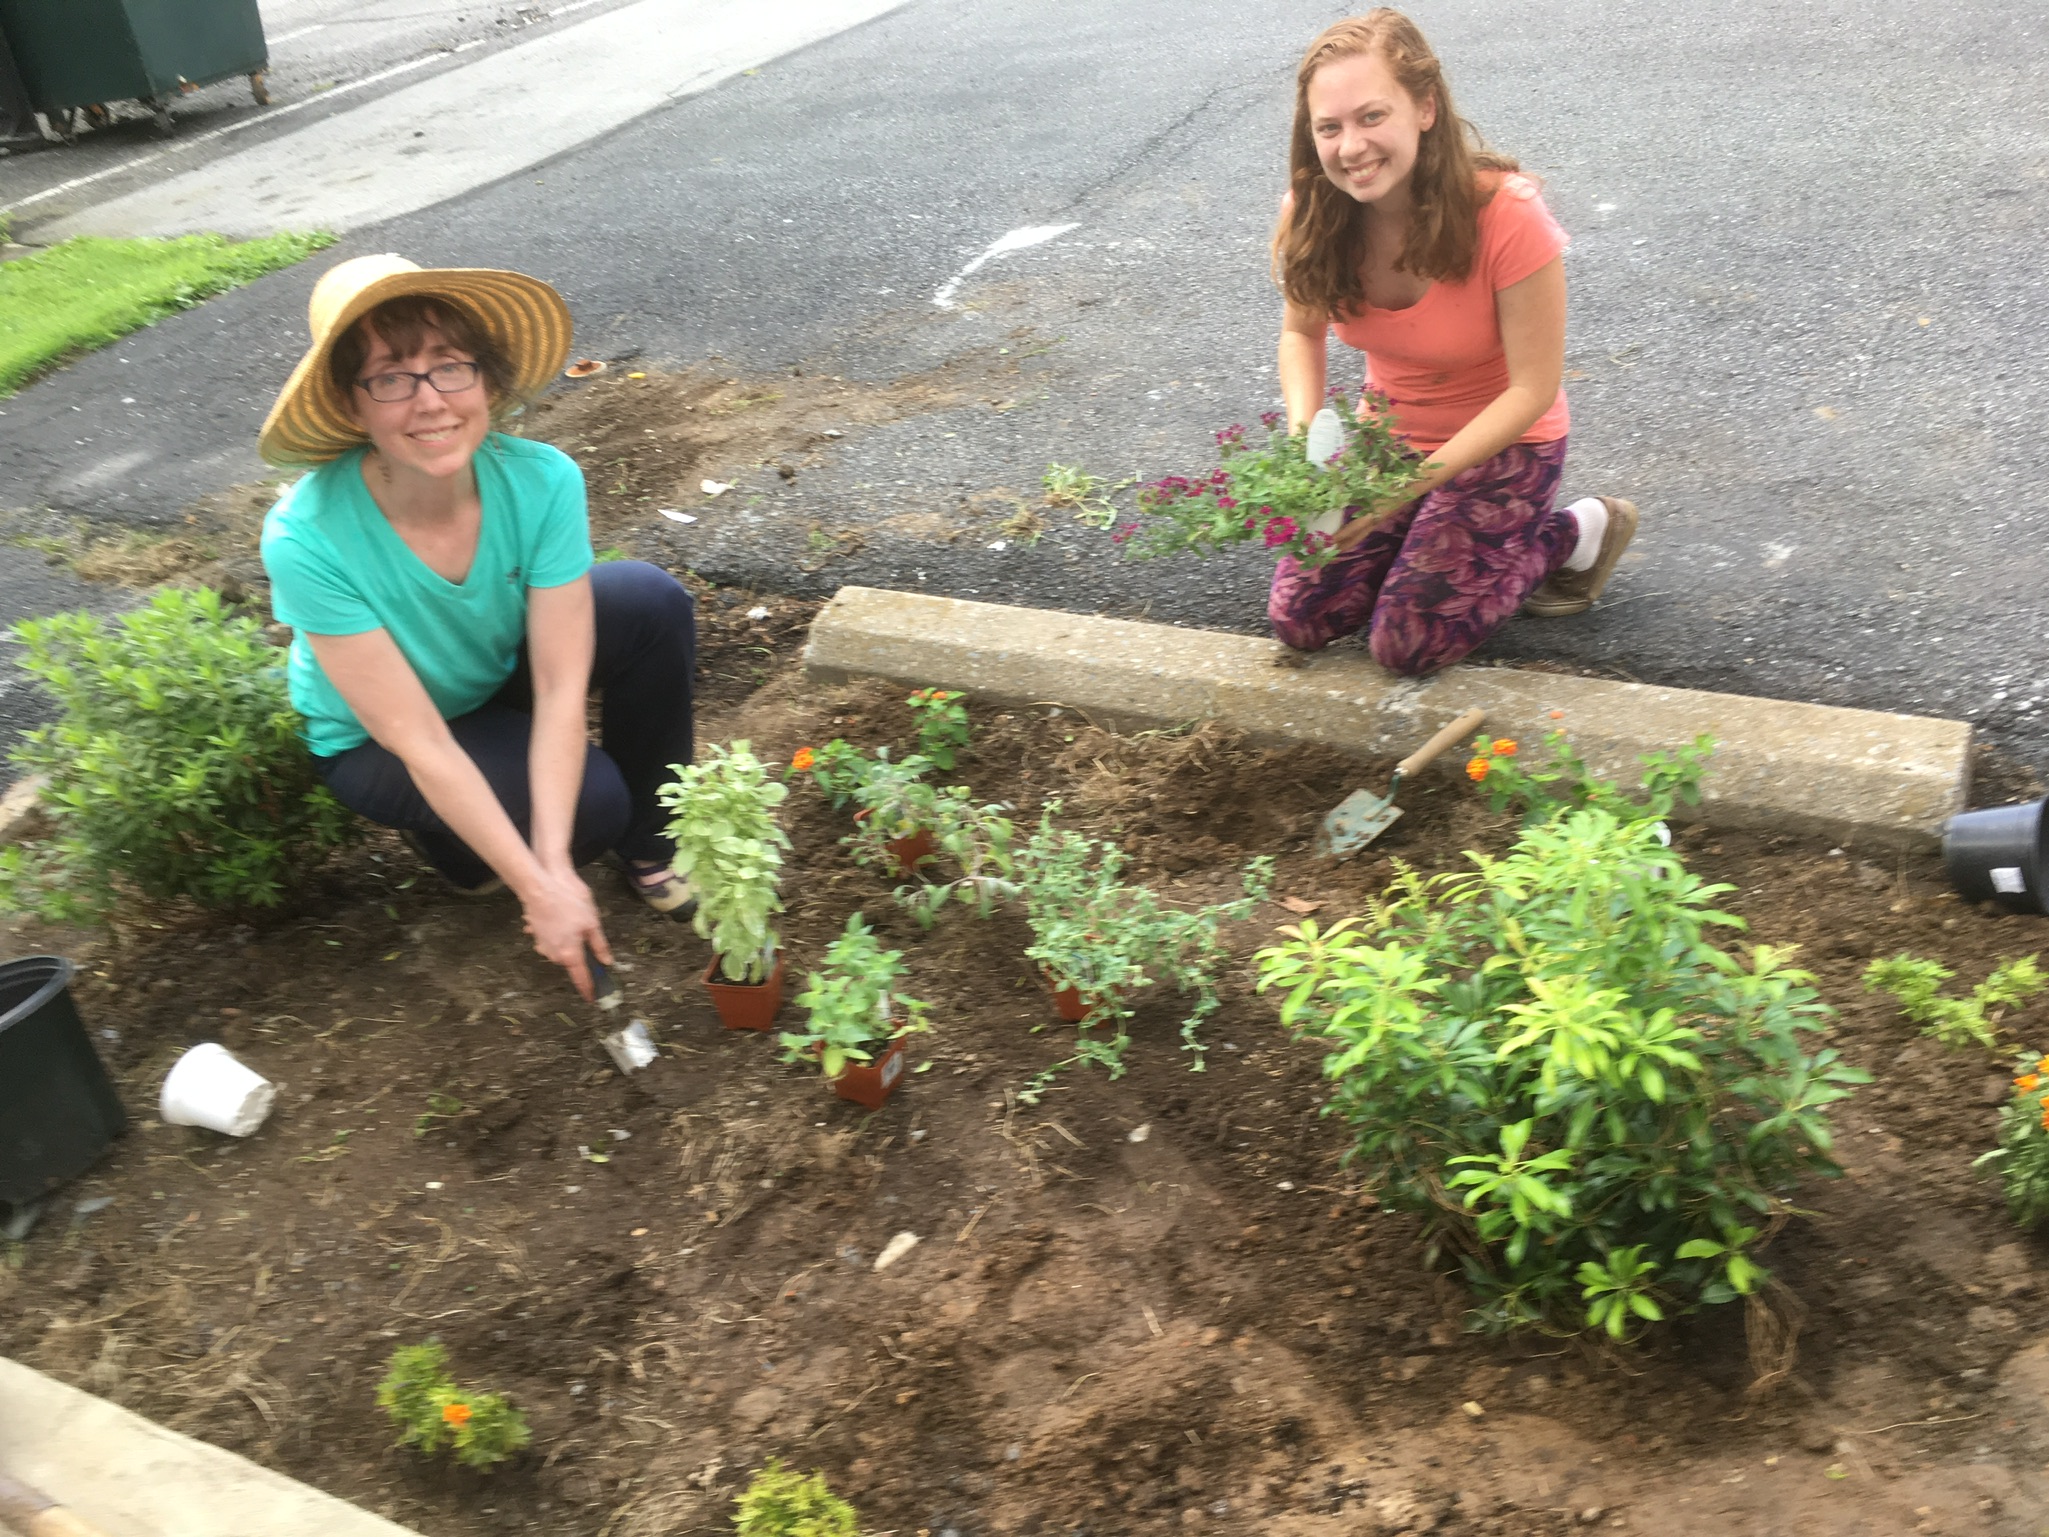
(1440, 361)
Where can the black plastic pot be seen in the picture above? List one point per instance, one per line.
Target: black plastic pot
(2000, 855)
(58, 1112)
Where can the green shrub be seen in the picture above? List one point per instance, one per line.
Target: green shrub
(779, 1503)
(942, 722)
(729, 847)
(2022, 1157)
(1597, 1110)
(1917, 984)
(174, 765)
(432, 1413)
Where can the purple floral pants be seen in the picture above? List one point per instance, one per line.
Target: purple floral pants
(1441, 575)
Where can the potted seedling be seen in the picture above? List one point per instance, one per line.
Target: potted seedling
(942, 723)
(729, 847)
(899, 814)
(857, 1020)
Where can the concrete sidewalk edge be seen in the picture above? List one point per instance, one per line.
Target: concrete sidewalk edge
(1849, 775)
(130, 1477)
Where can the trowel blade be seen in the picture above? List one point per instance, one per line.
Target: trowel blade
(1355, 822)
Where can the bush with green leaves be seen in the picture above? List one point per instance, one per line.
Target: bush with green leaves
(2021, 1159)
(729, 847)
(1109, 939)
(1669, 780)
(433, 1414)
(175, 766)
(780, 1503)
(853, 1003)
(1596, 1109)
(1917, 984)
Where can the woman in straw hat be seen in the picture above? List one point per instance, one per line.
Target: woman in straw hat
(449, 620)
(1438, 260)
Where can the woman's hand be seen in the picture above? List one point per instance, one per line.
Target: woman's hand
(1348, 538)
(562, 917)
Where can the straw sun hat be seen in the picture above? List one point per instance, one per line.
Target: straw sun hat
(311, 424)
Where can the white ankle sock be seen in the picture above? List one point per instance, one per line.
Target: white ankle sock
(1591, 513)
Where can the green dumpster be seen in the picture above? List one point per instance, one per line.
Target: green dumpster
(77, 56)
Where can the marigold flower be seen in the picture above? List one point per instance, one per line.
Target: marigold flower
(2042, 1066)
(1477, 770)
(2028, 1082)
(1504, 747)
(804, 759)
(457, 1415)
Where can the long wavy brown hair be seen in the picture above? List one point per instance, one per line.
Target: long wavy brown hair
(1319, 248)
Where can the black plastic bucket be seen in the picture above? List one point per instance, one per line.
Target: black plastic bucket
(58, 1112)
(2000, 855)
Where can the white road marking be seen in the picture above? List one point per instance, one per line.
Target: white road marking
(1016, 240)
(437, 138)
(286, 37)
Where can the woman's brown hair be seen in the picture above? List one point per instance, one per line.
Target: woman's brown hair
(403, 324)
(1319, 248)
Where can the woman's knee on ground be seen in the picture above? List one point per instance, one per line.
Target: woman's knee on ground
(1412, 650)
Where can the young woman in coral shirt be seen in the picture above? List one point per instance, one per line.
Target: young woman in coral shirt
(1439, 261)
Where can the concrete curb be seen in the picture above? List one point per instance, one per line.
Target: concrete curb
(132, 1478)
(1844, 774)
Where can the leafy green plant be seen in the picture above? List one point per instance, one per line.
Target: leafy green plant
(432, 1413)
(1596, 1109)
(781, 1503)
(1917, 984)
(838, 768)
(1069, 485)
(942, 722)
(1669, 779)
(2022, 1157)
(1272, 493)
(853, 1003)
(175, 766)
(1109, 939)
(729, 847)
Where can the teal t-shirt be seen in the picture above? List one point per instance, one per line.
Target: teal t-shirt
(337, 567)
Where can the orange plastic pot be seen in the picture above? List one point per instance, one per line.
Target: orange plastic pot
(868, 1084)
(1068, 1001)
(913, 851)
(746, 1005)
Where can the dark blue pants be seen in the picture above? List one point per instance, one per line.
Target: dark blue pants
(645, 659)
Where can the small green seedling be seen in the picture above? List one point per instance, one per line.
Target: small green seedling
(2022, 1157)
(780, 1503)
(1917, 983)
(942, 722)
(852, 1003)
(433, 1414)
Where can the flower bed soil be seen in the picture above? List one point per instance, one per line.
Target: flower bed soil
(1157, 1304)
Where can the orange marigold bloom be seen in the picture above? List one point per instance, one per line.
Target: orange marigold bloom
(457, 1415)
(804, 759)
(2042, 1066)
(2028, 1081)
(1504, 747)
(1477, 770)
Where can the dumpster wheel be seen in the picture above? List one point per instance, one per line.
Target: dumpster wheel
(259, 90)
(160, 114)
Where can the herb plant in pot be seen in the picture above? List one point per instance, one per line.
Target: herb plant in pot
(729, 846)
(898, 815)
(857, 1019)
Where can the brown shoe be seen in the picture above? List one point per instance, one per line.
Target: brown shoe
(1573, 592)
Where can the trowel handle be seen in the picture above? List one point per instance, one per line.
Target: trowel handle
(1466, 724)
(33, 1513)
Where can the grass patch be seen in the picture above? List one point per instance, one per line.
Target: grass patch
(88, 292)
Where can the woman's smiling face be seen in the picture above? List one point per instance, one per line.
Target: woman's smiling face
(1367, 127)
(430, 433)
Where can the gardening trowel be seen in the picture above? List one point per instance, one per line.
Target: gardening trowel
(1363, 816)
(630, 1047)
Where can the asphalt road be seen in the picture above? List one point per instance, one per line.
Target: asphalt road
(1806, 310)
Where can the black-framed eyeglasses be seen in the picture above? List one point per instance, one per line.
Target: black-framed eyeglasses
(447, 378)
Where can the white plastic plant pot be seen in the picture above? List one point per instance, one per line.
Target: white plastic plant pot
(208, 1087)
